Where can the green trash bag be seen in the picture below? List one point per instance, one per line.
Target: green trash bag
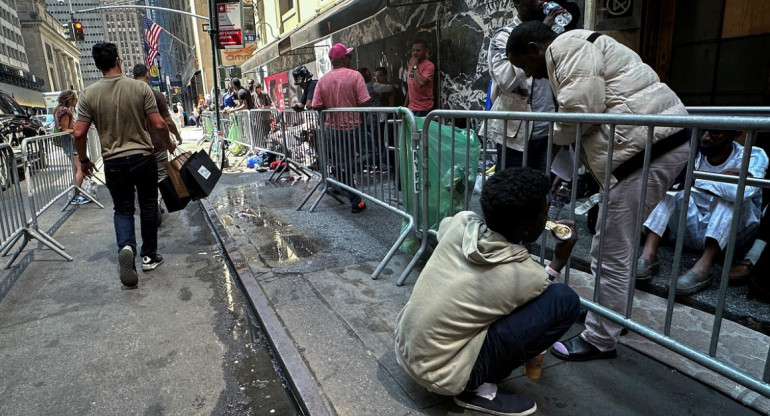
(451, 182)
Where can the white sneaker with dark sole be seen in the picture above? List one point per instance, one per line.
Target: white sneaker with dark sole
(150, 263)
(127, 267)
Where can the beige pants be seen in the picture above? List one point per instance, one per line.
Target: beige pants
(161, 158)
(620, 240)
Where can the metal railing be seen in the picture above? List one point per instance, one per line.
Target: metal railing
(208, 121)
(301, 133)
(750, 125)
(13, 218)
(365, 156)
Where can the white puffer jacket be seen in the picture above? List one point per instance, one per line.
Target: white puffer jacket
(510, 92)
(606, 77)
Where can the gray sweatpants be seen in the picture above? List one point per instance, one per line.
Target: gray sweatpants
(620, 240)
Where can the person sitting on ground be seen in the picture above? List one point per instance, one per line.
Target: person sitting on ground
(482, 306)
(709, 212)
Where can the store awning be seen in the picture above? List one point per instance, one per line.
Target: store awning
(23, 96)
(334, 19)
(261, 57)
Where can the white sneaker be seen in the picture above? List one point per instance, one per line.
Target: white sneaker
(150, 263)
(128, 274)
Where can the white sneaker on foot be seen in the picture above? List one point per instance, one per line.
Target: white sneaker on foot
(127, 266)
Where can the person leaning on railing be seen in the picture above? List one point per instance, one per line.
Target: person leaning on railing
(593, 73)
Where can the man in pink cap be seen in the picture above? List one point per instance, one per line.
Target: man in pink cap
(343, 87)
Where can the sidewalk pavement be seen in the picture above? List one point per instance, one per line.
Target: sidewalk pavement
(308, 277)
(73, 342)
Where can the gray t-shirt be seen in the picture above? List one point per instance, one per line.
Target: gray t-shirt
(542, 102)
(119, 106)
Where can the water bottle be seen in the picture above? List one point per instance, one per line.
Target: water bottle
(560, 198)
(561, 20)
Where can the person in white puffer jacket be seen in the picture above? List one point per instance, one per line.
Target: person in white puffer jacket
(593, 73)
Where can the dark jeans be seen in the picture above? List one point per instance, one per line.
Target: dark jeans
(529, 330)
(418, 113)
(123, 175)
(537, 155)
(344, 148)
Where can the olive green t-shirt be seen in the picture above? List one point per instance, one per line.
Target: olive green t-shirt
(119, 106)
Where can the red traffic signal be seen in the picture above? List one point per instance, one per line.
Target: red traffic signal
(77, 28)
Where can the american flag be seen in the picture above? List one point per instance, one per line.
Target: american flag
(152, 33)
(149, 55)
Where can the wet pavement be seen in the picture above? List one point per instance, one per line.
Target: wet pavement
(73, 341)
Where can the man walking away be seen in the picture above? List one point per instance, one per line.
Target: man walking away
(161, 144)
(120, 108)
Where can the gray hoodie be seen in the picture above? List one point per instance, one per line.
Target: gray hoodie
(474, 277)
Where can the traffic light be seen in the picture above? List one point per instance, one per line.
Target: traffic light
(77, 29)
(69, 32)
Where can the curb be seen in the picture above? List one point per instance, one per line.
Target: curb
(307, 392)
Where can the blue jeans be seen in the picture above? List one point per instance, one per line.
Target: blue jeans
(537, 155)
(344, 149)
(529, 330)
(123, 175)
(420, 113)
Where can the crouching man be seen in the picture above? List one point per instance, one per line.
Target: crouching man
(482, 306)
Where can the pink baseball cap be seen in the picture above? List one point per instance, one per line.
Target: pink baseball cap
(338, 51)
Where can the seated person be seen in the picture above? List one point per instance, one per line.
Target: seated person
(482, 306)
(709, 212)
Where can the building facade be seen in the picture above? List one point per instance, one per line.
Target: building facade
(122, 27)
(711, 52)
(125, 28)
(15, 76)
(51, 56)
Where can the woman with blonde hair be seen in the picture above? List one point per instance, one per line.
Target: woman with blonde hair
(64, 122)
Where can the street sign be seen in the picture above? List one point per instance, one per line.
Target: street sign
(230, 16)
(249, 37)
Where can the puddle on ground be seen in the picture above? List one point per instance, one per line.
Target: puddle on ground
(274, 238)
(288, 248)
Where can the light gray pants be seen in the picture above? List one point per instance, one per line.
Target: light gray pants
(161, 158)
(620, 239)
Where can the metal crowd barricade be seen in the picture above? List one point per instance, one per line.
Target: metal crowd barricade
(241, 122)
(301, 134)
(208, 122)
(748, 124)
(13, 218)
(368, 160)
(50, 174)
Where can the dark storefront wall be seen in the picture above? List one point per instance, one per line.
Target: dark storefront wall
(720, 53)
